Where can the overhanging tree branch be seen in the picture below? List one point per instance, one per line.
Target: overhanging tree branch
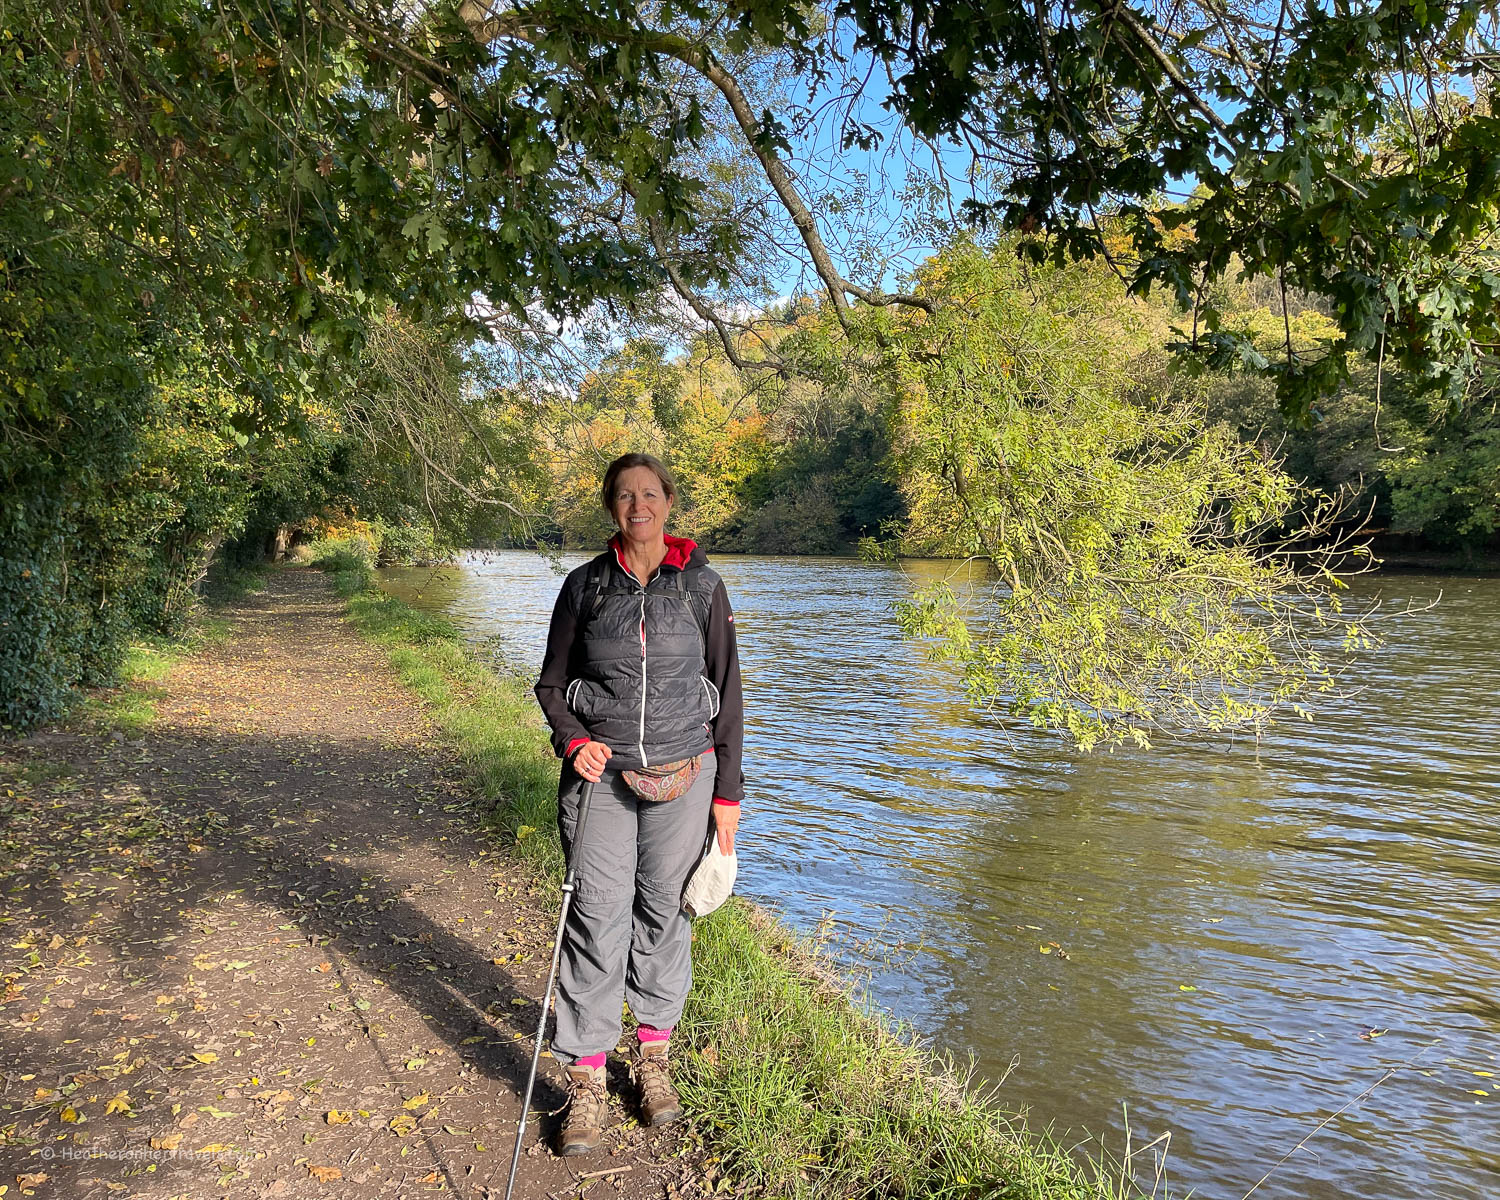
(489, 26)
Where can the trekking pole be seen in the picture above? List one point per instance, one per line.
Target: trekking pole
(562, 920)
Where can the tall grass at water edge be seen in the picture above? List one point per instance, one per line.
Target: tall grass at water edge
(794, 1090)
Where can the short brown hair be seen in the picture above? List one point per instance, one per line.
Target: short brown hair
(625, 463)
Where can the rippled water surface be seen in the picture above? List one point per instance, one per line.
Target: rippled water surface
(1254, 938)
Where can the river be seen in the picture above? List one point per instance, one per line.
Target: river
(1255, 936)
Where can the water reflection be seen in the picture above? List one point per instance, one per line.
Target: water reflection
(1234, 919)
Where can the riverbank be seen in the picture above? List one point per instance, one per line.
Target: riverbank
(307, 844)
(1396, 553)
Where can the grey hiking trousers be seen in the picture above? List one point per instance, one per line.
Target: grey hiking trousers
(627, 936)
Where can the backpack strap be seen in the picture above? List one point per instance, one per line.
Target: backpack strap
(701, 603)
(593, 587)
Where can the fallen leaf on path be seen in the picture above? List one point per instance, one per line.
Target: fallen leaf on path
(325, 1174)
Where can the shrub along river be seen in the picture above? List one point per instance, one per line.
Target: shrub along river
(1226, 943)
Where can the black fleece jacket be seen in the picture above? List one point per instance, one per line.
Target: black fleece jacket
(561, 665)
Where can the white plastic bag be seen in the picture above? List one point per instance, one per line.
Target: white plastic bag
(712, 882)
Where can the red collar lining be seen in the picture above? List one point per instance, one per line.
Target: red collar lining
(679, 550)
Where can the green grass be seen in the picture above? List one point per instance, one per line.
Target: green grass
(793, 1089)
(807, 1094)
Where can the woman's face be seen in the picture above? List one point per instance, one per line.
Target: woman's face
(641, 506)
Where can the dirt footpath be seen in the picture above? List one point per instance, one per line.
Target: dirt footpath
(265, 950)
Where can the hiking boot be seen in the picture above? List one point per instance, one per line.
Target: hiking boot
(659, 1102)
(588, 1111)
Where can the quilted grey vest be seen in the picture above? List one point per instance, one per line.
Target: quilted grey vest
(641, 689)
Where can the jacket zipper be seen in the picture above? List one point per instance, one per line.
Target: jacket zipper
(641, 736)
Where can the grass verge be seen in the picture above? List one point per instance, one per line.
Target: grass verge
(795, 1090)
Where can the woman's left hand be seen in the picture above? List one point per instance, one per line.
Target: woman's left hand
(726, 821)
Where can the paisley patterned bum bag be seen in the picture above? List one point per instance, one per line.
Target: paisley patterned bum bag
(665, 782)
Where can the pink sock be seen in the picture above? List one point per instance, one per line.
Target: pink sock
(649, 1033)
(593, 1061)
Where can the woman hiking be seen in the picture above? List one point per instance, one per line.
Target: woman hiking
(641, 685)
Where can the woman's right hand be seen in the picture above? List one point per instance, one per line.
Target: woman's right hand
(589, 760)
